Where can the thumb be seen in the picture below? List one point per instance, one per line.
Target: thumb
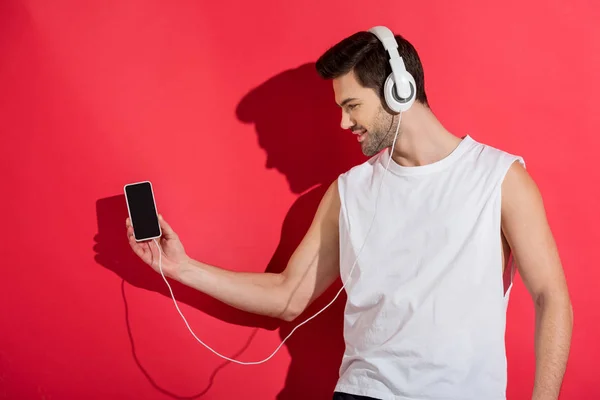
(166, 228)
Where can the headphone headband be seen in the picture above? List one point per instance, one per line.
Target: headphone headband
(403, 83)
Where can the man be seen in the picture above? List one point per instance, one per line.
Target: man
(423, 254)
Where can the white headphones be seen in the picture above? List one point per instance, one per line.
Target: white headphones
(400, 89)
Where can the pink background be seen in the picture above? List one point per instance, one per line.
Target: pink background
(219, 105)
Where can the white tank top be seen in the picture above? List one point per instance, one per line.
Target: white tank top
(426, 303)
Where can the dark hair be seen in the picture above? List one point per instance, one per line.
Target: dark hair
(365, 54)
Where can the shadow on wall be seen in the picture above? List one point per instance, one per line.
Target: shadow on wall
(298, 126)
(297, 123)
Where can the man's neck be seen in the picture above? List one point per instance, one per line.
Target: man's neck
(422, 139)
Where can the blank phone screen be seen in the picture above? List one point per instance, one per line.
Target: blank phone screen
(142, 210)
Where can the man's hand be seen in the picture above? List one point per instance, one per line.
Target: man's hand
(174, 257)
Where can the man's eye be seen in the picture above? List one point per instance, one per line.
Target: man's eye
(352, 106)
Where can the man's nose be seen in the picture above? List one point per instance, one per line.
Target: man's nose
(346, 123)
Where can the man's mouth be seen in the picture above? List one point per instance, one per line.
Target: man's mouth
(361, 134)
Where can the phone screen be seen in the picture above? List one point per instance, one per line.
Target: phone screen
(142, 210)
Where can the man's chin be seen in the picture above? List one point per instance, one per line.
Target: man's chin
(370, 151)
(367, 151)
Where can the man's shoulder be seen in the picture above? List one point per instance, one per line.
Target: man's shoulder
(366, 167)
(491, 156)
(490, 163)
(357, 177)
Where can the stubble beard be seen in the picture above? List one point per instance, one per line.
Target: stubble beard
(381, 135)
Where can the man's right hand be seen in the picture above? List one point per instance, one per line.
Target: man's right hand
(310, 270)
(174, 257)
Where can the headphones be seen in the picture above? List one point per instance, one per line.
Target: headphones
(400, 89)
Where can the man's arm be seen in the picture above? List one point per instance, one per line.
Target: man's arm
(312, 268)
(526, 229)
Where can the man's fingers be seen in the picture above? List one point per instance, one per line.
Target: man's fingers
(165, 227)
(132, 241)
(139, 251)
(135, 246)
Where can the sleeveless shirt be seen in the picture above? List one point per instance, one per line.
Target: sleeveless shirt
(426, 302)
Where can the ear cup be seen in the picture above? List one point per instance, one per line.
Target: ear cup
(400, 97)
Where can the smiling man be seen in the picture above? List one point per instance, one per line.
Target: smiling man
(423, 234)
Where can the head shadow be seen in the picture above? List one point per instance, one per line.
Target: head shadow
(298, 126)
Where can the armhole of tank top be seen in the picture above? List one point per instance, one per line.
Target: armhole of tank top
(511, 267)
(343, 212)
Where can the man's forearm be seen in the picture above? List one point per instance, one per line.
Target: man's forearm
(259, 293)
(554, 322)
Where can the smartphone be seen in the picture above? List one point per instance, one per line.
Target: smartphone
(142, 210)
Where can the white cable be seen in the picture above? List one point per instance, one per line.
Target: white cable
(308, 319)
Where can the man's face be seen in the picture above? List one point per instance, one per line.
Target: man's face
(364, 115)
